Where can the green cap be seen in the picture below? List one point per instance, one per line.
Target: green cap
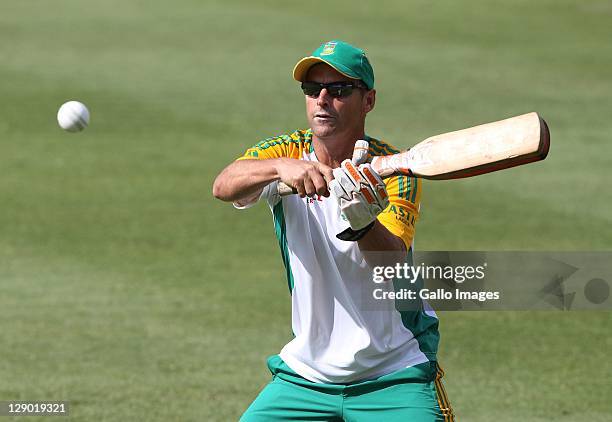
(345, 58)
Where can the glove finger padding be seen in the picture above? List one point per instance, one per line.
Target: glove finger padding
(377, 184)
(344, 182)
(365, 180)
(360, 193)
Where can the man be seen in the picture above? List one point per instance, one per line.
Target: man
(348, 361)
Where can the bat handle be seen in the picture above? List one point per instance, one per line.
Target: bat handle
(380, 164)
(389, 165)
(285, 190)
(360, 156)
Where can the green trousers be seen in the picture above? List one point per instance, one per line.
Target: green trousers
(414, 394)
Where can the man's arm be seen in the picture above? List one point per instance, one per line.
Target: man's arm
(379, 239)
(380, 247)
(246, 178)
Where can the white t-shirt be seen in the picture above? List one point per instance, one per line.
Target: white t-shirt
(342, 333)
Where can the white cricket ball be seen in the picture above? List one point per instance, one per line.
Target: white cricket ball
(73, 116)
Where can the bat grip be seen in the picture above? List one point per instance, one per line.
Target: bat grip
(285, 190)
(360, 156)
(389, 165)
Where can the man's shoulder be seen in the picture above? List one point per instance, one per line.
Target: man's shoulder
(381, 147)
(298, 136)
(291, 145)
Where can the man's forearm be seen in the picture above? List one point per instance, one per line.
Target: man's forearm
(380, 247)
(244, 178)
(379, 238)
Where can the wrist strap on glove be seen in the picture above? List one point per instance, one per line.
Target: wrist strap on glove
(351, 235)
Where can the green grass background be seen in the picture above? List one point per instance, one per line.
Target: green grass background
(128, 290)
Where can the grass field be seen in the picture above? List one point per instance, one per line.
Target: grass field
(128, 290)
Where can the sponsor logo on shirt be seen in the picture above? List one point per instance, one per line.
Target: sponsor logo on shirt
(402, 214)
(313, 200)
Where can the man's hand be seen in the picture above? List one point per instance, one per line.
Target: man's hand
(360, 192)
(242, 181)
(309, 178)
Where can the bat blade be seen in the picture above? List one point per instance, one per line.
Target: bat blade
(469, 152)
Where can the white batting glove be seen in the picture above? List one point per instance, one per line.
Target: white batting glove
(360, 192)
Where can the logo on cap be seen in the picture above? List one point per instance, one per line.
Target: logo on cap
(328, 49)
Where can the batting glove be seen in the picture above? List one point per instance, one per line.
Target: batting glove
(361, 195)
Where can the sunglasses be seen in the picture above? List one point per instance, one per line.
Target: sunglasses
(335, 89)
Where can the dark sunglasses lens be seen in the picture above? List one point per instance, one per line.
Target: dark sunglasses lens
(339, 91)
(311, 89)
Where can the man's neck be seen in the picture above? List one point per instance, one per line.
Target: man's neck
(332, 151)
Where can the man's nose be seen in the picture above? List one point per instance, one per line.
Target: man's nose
(323, 97)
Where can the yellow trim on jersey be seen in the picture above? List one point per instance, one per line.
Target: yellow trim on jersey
(443, 402)
(289, 146)
(402, 213)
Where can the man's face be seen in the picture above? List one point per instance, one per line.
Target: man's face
(334, 117)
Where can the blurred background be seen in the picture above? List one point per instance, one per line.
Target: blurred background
(128, 290)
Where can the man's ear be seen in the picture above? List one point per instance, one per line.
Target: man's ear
(369, 100)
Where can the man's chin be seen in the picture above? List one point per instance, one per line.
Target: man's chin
(323, 131)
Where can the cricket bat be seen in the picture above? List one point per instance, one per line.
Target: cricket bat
(468, 152)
